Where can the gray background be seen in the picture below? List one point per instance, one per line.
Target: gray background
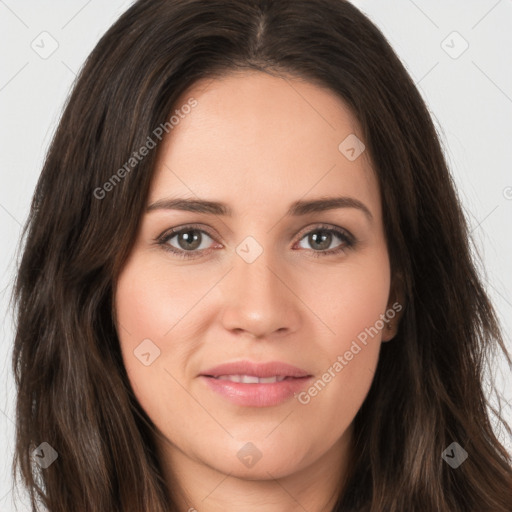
(468, 90)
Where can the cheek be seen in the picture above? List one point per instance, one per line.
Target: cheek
(155, 307)
(142, 298)
(350, 301)
(350, 349)
(144, 316)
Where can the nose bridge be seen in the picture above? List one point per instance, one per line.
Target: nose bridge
(255, 267)
(259, 299)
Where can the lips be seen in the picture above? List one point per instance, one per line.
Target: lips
(260, 370)
(251, 379)
(256, 384)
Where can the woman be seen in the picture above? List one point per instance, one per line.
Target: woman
(182, 342)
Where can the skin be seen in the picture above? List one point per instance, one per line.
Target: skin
(257, 143)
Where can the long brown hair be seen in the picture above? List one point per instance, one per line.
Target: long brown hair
(73, 391)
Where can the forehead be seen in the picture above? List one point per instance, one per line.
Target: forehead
(252, 136)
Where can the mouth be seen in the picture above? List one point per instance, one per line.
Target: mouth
(250, 384)
(250, 369)
(252, 379)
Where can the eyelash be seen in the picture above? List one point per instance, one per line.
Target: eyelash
(348, 241)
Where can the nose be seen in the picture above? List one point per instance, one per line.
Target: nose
(260, 299)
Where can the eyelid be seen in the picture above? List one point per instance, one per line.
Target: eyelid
(163, 238)
(173, 231)
(328, 227)
(303, 231)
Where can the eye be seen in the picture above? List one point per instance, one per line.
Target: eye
(192, 242)
(185, 242)
(322, 237)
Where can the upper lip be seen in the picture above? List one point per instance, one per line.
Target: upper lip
(269, 369)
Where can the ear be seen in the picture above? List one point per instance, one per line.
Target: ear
(395, 308)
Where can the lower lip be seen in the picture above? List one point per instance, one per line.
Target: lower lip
(257, 395)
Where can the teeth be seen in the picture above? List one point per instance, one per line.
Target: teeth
(251, 379)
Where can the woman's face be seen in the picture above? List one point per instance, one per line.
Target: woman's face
(267, 282)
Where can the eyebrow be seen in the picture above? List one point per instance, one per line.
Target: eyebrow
(296, 209)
